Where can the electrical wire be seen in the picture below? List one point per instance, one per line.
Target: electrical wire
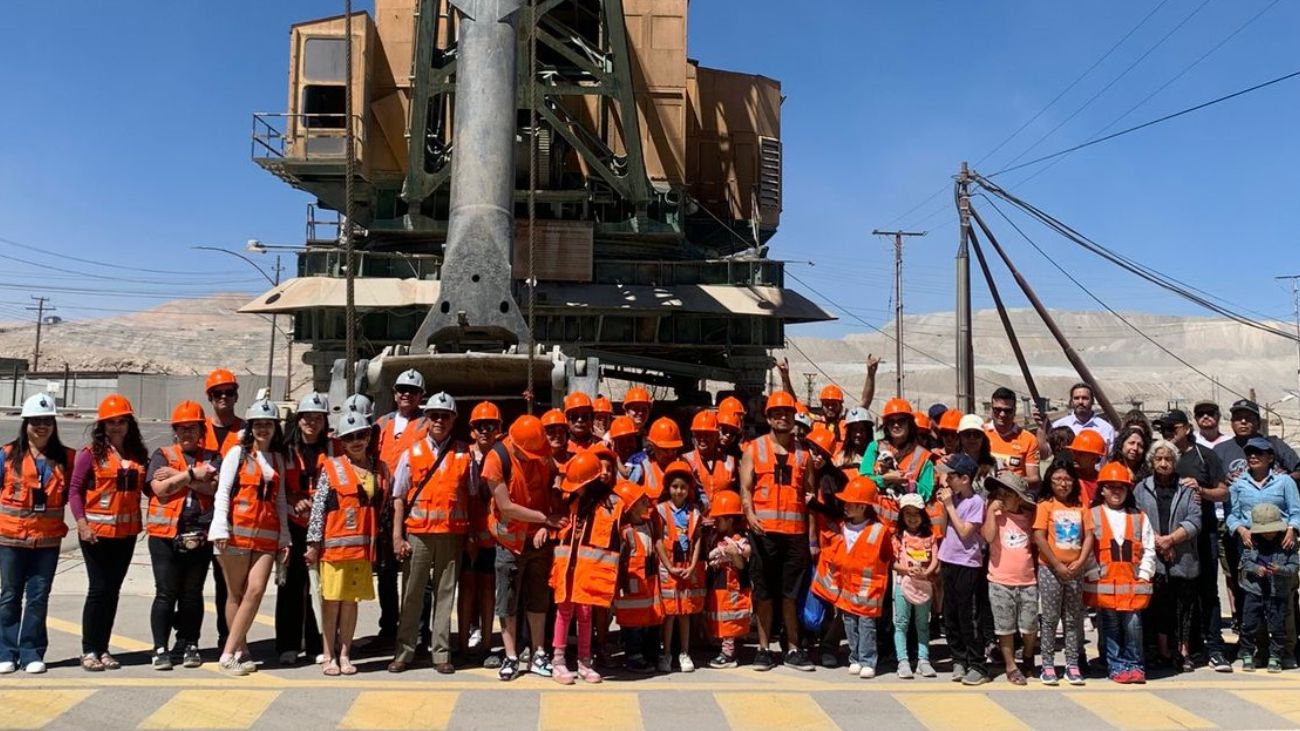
(790, 343)
(110, 265)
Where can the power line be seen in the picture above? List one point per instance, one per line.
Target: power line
(790, 342)
(110, 265)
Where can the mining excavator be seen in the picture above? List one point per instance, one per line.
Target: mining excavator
(546, 194)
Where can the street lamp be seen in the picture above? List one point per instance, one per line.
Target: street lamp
(275, 282)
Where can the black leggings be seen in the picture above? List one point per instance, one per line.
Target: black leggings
(178, 591)
(295, 623)
(107, 561)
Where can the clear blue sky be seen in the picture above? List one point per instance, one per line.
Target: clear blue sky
(125, 137)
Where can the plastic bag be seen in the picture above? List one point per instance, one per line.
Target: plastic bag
(813, 610)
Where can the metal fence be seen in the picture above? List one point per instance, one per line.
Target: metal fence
(153, 395)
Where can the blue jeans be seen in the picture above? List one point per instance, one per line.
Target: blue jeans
(905, 614)
(861, 633)
(1121, 639)
(30, 572)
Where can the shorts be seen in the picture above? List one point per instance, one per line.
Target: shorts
(1014, 607)
(484, 562)
(778, 565)
(523, 580)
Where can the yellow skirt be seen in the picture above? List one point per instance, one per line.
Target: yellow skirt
(346, 581)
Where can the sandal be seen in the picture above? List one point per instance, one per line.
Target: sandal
(347, 668)
(91, 664)
(1015, 677)
(109, 662)
(331, 669)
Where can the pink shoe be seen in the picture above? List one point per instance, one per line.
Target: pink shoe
(587, 673)
(562, 674)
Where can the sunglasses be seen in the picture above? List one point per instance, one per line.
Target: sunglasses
(1003, 410)
(226, 393)
(407, 390)
(1256, 453)
(356, 436)
(440, 415)
(485, 426)
(1203, 414)
(41, 421)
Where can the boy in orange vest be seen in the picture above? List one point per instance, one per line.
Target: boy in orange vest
(728, 606)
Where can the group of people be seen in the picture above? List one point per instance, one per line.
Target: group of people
(812, 530)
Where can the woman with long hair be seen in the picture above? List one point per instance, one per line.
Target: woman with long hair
(1130, 450)
(34, 471)
(250, 526)
(309, 445)
(107, 483)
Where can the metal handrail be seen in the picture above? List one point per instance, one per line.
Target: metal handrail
(275, 143)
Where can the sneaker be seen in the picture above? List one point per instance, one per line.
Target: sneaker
(974, 677)
(587, 672)
(925, 669)
(191, 657)
(684, 661)
(249, 665)
(637, 664)
(1248, 664)
(1122, 677)
(723, 662)
(905, 670)
(855, 668)
(162, 660)
(7, 667)
(35, 667)
(665, 664)
(475, 638)
(1220, 663)
(1073, 675)
(798, 660)
(525, 657)
(178, 652)
(830, 660)
(509, 669)
(1275, 665)
(1137, 677)
(230, 665)
(492, 662)
(867, 672)
(1048, 676)
(561, 674)
(958, 672)
(288, 657)
(763, 661)
(541, 665)
(320, 660)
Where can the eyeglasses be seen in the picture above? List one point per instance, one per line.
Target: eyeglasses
(225, 393)
(1004, 409)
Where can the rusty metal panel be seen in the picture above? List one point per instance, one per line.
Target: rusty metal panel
(734, 144)
(564, 251)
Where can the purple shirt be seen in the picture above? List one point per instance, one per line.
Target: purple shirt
(968, 552)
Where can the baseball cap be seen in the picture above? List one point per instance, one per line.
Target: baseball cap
(911, 500)
(1260, 443)
(1175, 417)
(1205, 405)
(958, 464)
(935, 411)
(1245, 405)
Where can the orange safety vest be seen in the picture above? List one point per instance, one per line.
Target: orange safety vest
(254, 520)
(300, 481)
(680, 596)
(854, 580)
(591, 578)
(513, 534)
(163, 519)
(232, 437)
(638, 603)
(1118, 588)
(443, 504)
(887, 511)
(652, 478)
(480, 502)
(113, 501)
(22, 525)
(391, 445)
(351, 518)
(720, 476)
(779, 506)
(728, 605)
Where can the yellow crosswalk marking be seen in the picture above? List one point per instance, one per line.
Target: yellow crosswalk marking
(30, 709)
(1284, 703)
(74, 628)
(565, 711)
(966, 711)
(783, 711)
(211, 709)
(1138, 711)
(401, 710)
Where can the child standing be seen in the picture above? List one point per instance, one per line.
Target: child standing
(1118, 581)
(853, 571)
(637, 607)
(961, 566)
(1063, 534)
(1268, 576)
(1013, 587)
(727, 606)
(681, 572)
(916, 563)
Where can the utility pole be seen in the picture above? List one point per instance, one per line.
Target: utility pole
(270, 356)
(898, 301)
(965, 344)
(40, 309)
(808, 383)
(1295, 304)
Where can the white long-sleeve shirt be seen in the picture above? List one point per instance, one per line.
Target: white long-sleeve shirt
(220, 529)
(1118, 520)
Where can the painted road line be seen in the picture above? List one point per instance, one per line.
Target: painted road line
(562, 711)
(401, 710)
(959, 709)
(211, 709)
(32, 709)
(1284, 703)
(776, 711)
(1138, 711)
(72, 628)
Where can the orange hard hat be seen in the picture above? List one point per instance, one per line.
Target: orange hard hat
(637, 395)
(1089, 441)
(622, 426)
(922, 420)
(576, 400)
(832, 393)
(220, 377)
(1115, 472)
(896, 407)
(528, 434)
(731, 403)
(861, 489)
(705, 421)
(780, 400)
(823, 439)
(114, 406)
(733, 419)
(665, 434)
(629, 492)
(801, 408)
(725, 502)
(485, 411)
(602, 405)
(602, 452)
(678, 467)
(554, 417)
(950, 421)
(188, 412)
(583, 468)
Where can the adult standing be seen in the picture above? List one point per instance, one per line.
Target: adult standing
(182, 480)
(309, 446)
(637, 404)
(1014, 447)
(714, 470)
(579, 413)
(34, 470)
(1207, 424)
(431, 516)
(774, 479)
(221, 435)
(106, 486)
(899, 462)
(1082, 416)
(250, 526)
(1130, 450)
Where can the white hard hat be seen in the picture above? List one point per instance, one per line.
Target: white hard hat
(42, 404)
(262, 409)
(359, 404)
(857, 415)
(805, 419)
(314, 403)
(441, 401)
(970, 422)
(351, 422)
(410, 377)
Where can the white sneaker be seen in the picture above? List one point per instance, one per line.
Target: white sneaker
(320, 659)
(475, 638)
(867, 672)
(35, 667)
(854, 668)
(8, 667)
(685, 662)
(665, 664)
